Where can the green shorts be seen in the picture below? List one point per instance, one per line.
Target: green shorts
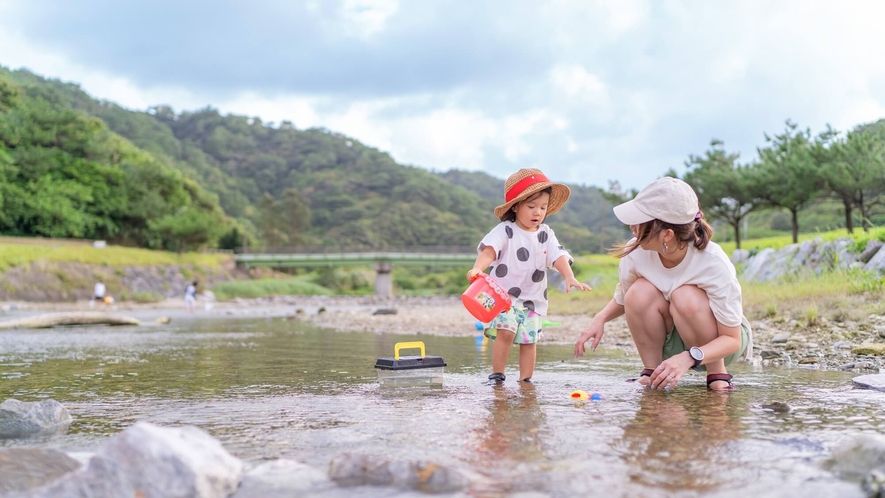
(524, 323)
(673, 345)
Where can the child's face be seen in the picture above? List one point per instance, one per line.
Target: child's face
(530, 213)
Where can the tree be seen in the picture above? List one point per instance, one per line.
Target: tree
(854, 170)
(188, 229)
(724, 188)
(788, 175)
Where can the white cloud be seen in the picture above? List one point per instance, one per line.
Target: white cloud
(625, 93)
(367, 17)
(576, 82)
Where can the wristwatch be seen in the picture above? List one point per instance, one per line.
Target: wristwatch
(697, 355)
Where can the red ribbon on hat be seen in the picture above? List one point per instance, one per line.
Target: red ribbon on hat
(520, 186)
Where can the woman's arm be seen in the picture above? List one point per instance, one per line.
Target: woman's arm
(596, 329)
(727, 342)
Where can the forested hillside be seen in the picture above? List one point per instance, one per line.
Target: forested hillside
(290, 187)
(65, 174)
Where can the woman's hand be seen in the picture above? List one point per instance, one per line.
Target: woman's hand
(671, 371)
(593, 332)
(573, 282)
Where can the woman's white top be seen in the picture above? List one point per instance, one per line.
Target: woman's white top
(710, 270)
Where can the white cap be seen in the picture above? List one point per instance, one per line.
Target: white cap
(667, 199)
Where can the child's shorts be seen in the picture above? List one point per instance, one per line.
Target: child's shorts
(523, 322)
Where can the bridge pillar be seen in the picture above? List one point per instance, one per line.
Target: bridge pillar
(383, 279)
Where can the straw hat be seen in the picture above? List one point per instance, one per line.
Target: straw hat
(527, 181)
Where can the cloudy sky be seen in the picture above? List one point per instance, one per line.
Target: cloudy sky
(589, 91)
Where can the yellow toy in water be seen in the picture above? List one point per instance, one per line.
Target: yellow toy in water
(582, 395)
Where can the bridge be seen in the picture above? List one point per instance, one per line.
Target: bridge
(382, 260)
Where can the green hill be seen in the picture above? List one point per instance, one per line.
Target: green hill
(65, 174)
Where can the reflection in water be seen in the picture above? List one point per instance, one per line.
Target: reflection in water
(679, 440)
(509, 445)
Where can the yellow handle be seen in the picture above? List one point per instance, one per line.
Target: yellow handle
(407, 345)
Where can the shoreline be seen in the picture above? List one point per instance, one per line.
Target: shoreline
(826, 346)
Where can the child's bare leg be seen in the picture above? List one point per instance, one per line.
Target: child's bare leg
(501, 350)
(527, 354)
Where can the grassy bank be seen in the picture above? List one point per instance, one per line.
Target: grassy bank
(22, 252)
(295, 286)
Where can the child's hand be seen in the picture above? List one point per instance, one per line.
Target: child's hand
(472, 274)
(573, 282)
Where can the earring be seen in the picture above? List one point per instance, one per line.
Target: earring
(666, 249)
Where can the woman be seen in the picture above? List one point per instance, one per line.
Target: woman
(678, 290)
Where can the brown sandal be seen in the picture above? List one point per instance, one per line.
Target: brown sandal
(645, 373)
(721, 378)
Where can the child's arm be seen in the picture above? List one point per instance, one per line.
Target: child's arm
(483, 260)
(565, 269)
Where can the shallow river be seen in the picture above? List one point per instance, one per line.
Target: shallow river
(270, 388)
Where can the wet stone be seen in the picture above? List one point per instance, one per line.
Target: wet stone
(767, 354)
(19, 418)
(283, 479)
(842, 345)
(875, 382)
(808, 361)
(360, 470)
(777, 407)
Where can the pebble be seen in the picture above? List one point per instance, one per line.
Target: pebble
(778, 407)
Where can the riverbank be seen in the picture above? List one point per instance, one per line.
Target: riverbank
(821, 343)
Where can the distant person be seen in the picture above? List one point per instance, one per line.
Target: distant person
(521, 248)
(190, 297)
(98, 294)
(678, 290)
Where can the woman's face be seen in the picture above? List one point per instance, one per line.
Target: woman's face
(655, 243)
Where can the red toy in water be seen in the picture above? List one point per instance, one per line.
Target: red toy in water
(485, 299)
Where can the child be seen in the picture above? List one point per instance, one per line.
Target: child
(190, 297)
(522, 247)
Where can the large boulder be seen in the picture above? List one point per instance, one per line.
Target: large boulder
(149, 461)
(23, 469)
(20, 418)
(810, 256)
(871, 249)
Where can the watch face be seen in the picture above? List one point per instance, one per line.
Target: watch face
(696, 353)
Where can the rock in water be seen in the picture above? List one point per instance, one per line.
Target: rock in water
(283, 479)
(356, 470)
(149, 461)
(875, 382)
(23, 469)
(19, 418)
